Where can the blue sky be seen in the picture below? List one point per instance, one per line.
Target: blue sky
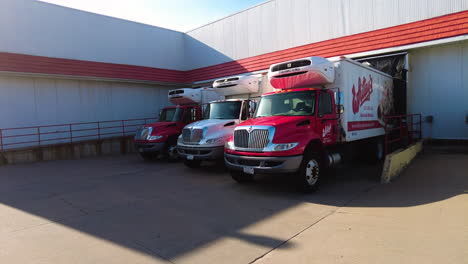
(178, 15)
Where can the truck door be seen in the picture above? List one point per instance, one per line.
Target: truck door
(327, 119)
(191, 114)
(245, 111)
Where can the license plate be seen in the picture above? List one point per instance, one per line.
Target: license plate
(190, 157)
(249, 170)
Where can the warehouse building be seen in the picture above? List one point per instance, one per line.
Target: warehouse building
(60, 65)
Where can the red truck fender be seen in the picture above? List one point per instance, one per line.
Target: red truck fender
(316, 146)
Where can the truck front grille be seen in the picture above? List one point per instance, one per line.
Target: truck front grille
(256, 139)
(192, 136)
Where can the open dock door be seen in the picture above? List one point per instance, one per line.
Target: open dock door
(395, 65)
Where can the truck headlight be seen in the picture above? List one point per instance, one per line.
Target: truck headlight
(229, 145)
(154, 137)
(179, 140)
(219, 140)
(283, 147)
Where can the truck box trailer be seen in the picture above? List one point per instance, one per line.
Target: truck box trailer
(307, 125)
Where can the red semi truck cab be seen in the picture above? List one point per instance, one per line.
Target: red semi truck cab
(332, 109)
(285, 124)
(161, 137)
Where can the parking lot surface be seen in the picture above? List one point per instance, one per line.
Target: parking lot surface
(120, 209)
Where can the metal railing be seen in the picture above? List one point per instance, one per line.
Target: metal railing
(34, 136)
(401, 131)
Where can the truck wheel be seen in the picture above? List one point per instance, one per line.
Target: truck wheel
(171, 152)
(148, 156)
(241, 177)
(310, 173)
(192, 163)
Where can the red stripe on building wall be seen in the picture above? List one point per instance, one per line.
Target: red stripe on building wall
(421, 31)
(44, 65)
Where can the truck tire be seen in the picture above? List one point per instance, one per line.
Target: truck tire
(192, 163)
(241, 177)
(310, 173)
(171, 152)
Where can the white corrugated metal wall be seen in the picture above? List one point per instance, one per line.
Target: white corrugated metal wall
(282, 24)
(438, 87)
(36, 28)
(271, 26)
(27, 101)
(42, 29)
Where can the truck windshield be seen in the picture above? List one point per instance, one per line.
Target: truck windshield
(171, 115)
(223, 110)
(287, 104)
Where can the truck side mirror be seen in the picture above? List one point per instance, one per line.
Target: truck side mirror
(252, 108)
(340, 109)
(339, 102)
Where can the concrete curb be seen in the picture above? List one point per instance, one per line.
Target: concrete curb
(76, 150)
(397, 161)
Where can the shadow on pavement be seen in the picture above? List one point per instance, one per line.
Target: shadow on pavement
(170, 210)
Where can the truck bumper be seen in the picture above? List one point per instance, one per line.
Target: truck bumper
(269, 165)
(199, 153)
(149, 147)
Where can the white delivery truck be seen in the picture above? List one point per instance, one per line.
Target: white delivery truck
(204, 140)
(324, 111)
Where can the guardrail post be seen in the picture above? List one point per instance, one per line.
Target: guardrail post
(123, 127)
(386, 135)
(1, 141)
(99, 130)
(420, 127)
(71, 133)
(39, 135)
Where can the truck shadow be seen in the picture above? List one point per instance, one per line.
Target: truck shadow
(168, 211)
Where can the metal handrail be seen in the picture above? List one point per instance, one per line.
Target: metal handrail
(409, 129)
(12, 138)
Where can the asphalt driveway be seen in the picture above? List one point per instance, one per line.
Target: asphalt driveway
(120, 209)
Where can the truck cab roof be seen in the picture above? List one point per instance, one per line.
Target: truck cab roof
(229, 100)
(179, 106)
(293, 90)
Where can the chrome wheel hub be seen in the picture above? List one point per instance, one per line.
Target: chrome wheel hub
(172, 152)
(312, 172)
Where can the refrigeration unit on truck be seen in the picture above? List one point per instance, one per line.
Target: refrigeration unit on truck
(237, 85)
(160, 138)
(324, 112)
(205, 139)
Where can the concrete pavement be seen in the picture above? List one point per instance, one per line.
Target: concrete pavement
(123, 210)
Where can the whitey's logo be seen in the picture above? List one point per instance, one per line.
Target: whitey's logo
(362, 94)
(326, 130)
